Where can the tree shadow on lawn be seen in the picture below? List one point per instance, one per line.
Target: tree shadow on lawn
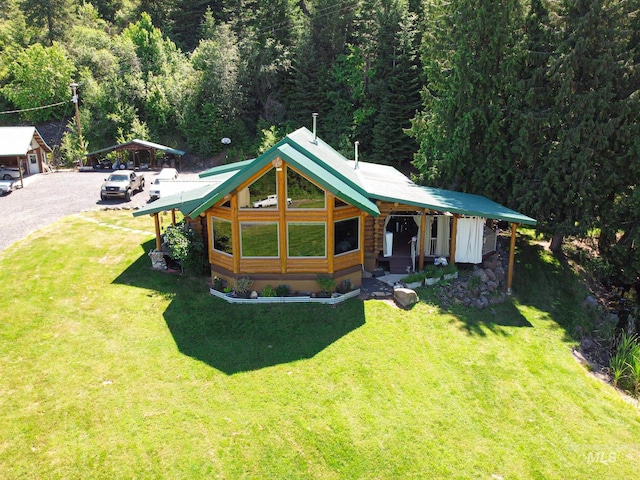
(240, 338)
(542, 282)
(495, 319)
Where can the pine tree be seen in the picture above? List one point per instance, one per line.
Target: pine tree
(469, 54)
(586, 165)
(395, 89)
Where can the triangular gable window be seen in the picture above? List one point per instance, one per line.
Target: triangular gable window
(303, 193)
(263, 193)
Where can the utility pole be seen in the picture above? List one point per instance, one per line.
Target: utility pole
(74, 99)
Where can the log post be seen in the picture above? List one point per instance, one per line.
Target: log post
(454, 234)
(331, 248)
(156, 218)
(173, 217)
(512, 250)
(421, 246)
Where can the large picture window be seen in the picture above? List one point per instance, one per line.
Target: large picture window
(259, 239)
(222, 235)
(302, 192)
(263, 193)
(347, 235)
(307, 239)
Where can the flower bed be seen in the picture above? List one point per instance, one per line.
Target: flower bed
(333, 300)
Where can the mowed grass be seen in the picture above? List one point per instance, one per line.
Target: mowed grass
(111, 370)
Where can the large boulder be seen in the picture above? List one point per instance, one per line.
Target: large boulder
(405, 297)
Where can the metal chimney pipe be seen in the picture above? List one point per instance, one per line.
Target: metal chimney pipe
(356, 145)
(315, 133)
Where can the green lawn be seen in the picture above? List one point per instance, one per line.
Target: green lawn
(111, 370)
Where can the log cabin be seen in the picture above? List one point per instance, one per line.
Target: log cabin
(302, 209)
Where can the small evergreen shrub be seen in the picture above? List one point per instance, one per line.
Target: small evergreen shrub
(268, 291)
(219, 284)
(326, 283)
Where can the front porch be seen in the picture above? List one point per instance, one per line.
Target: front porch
(401, 251)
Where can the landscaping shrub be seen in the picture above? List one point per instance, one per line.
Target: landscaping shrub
(243, 285)
(326, 283)
(414, 277)
(625, 364)
(268, 291)
(187, 247)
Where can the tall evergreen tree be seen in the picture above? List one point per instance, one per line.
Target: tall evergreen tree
(53, 15)
(580, 175)
(325, 39)
(395, 88)
(186, 15)
(470, 68)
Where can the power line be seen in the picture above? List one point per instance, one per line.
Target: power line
(323, 12)
(34, 108)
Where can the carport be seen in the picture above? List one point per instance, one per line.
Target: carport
(138, 152)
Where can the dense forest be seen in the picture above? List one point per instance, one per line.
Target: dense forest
(533, 103)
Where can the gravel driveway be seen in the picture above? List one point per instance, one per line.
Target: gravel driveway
(48, 198)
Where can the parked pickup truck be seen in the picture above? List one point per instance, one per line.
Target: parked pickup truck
(122, 183)
(270, 201)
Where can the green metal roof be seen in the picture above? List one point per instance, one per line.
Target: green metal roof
(189, 200)
(357, 184)
(142, 143)
(388, 184)
(336, 185)
(308, 164)
(225, 168)
(474, 205)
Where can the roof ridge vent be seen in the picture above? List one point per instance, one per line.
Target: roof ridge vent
(315, 133)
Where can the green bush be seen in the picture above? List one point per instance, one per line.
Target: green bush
(219, 284)
(326, 283)
(243, 285)
(187, 247)
(268, 291)
(433, 271)
(624, 366)
(414, 277)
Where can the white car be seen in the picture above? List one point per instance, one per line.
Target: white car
(9, 173)
(166, 174)
(270, 201)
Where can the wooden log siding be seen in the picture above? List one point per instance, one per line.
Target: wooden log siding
(374, 239)
(283, 216)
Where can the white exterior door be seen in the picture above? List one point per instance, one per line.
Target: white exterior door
(32, 163)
